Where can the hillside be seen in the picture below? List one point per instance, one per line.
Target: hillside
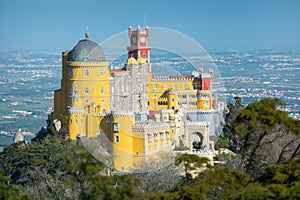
(265, 164)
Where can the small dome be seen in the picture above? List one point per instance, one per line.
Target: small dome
(86, 51)
(141, 60)
(131, 61)
(171, 116)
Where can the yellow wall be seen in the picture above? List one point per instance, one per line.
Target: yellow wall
(123, 149)
(161, 92)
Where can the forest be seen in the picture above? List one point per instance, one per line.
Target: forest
(258, 157)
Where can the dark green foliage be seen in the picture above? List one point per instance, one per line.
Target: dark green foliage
(276, 182)
(191, 162)
(57, 169)
(262, 128)
(88, 179)
(264, 136)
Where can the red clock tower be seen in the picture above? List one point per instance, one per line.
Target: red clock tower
(138, 44)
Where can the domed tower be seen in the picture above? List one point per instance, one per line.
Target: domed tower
(85, 89)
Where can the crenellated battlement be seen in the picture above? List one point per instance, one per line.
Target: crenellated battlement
(150, 126)
(173, 78)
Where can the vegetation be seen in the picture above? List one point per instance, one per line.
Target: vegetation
(258, 129)
(264, 164)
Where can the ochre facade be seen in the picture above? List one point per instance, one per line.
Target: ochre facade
(140, 114)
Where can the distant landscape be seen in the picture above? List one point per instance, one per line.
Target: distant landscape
(28, 79)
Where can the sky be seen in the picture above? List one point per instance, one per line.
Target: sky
(215, 24)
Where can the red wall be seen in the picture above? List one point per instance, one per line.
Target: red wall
(206, 84)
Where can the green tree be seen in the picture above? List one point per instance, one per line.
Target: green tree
(262, 128)
(191, 162)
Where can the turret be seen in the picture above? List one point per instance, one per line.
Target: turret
(138, 45)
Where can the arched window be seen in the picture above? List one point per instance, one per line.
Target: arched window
(108, 134)
(107, 122)
(71, 72)
(71, 90)
(102, 90)
(117, 139)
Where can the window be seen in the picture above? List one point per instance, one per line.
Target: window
(86, 100)
(108, 134)
(117, 139)
(107, 122)
(116, 127)
(174, 86)
(162, 136)
(71, 90)
(155, 96)
(184, 86)
(102, 90)
(102, 72)
(156, 137)
(86, 73)
(165, 86)
(102, 100)
(155, 86)
(149, 137)
(86, 90)
(71, 72)
(168, 135)
(206, 103)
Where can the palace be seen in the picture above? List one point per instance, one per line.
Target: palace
(138, 113)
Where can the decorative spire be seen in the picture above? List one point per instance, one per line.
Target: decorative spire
(87, 35)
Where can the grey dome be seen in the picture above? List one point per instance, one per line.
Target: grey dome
(86, 51)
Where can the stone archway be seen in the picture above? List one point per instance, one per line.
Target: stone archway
(197, 141)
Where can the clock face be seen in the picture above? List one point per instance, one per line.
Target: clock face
(142, 39)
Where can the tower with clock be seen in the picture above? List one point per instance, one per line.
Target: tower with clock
(138, 45)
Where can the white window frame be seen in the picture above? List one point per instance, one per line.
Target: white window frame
(156, 137)
(86, 90)
(116, 126)
(86, 73)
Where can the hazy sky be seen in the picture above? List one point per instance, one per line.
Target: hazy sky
(58, 24)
